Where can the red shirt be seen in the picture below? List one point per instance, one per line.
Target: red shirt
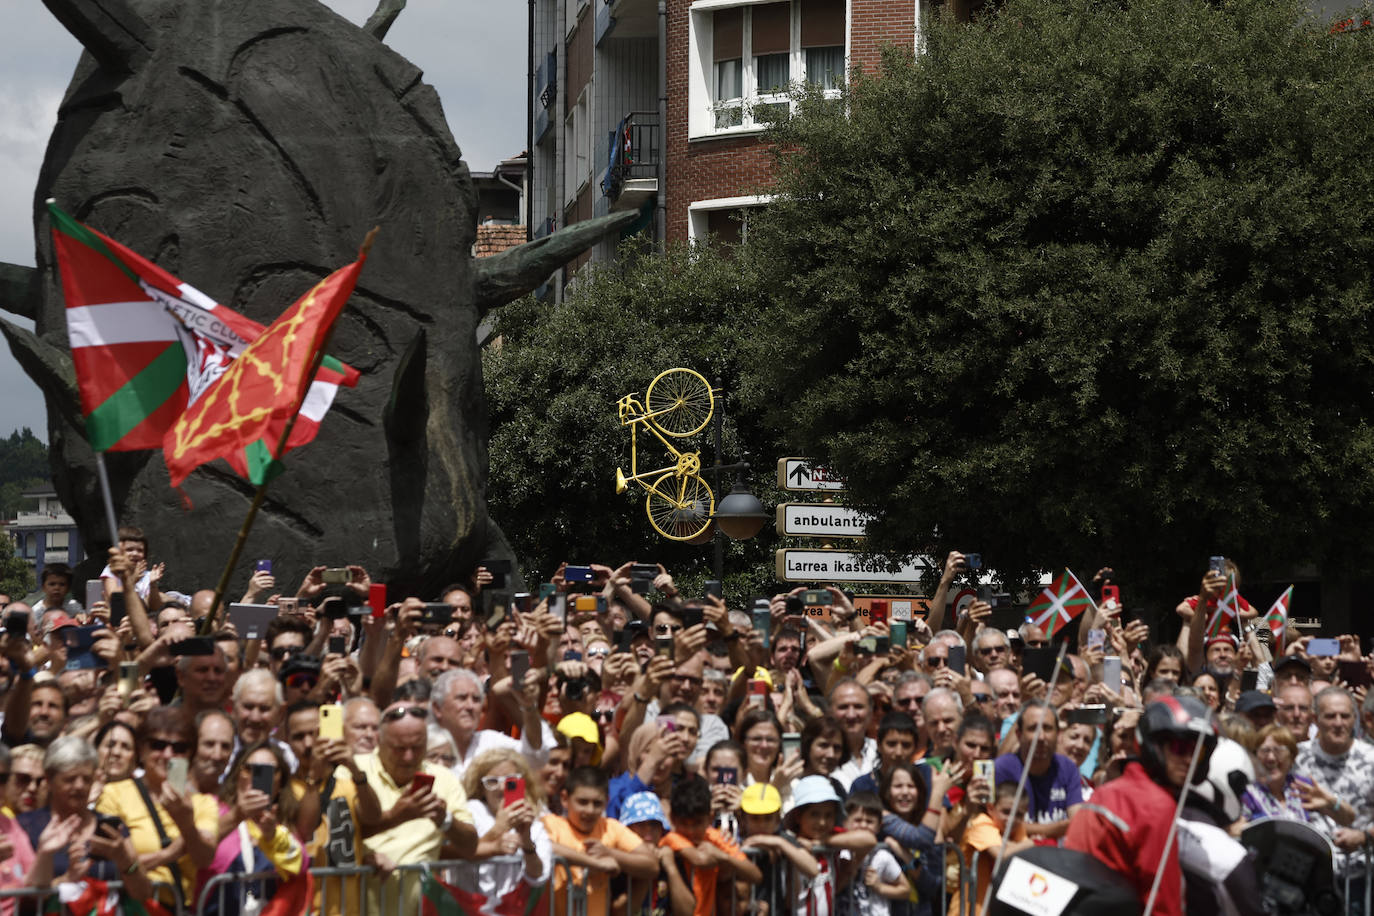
(1146, 810)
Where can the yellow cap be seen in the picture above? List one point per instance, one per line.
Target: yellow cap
(760, 798)
(760, 674)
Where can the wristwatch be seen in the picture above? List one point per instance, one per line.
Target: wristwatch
(448, 822)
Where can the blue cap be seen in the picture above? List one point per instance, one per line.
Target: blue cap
(812, 790)
(641, 807)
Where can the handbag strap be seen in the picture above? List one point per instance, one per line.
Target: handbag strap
(164, 839)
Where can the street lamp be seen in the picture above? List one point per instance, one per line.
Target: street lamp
(739, 515)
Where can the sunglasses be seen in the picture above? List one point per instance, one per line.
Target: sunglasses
(988, 650)
(1038, 643)
(281, 652)
(982, 698)
(936, 661)
(667, 629)
(400, 712)
(158, 745)
(598, 653)
(24, 780)
(603, 715)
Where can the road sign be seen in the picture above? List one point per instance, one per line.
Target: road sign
(820, 520)
(840, 566)
(803, 474)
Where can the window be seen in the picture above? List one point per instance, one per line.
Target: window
(726, 218)
(577, 153)
(745, 57)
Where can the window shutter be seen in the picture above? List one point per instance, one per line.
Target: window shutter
(822, 24)
(772, 28)
(727, 35)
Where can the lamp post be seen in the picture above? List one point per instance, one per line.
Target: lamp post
(739, 515)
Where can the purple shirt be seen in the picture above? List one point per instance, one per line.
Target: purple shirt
(1051, 794)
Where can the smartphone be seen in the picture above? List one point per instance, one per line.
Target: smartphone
(1095, 714)
(727, 776)
(338, 645)
(882, 645)
(898, 631)
(795, 606)
(519, 665)
(577, 574)
(645, 571)
(1097, 639)
(691, 617)
(376, 598)
(117, 610)
(497, 606)
(423, 782)
(523, 602)
(1249, 677)
(985, 770)
(128, 678)
(1355, 673)
(1111, 673)
(957, 659)
(265, 777)
(335, 575)
(1038, 661)
(762, 621)
(195, 645)
(758, 693)
(877, 611)
(663, 646)
(866, 646)
(177, 770)
(584, 604)
(558, 607)
(973, 560)
(546, 589)
(263, 566)
(791, 744)
(667, 723)
(1324, 648)
(115, 824)
(813, 597)
(95, 591)
(715, 588)
(512, 790)
(17, 624)
(334, 608)
(1111, 597)
(1217, 564)
(331, 722)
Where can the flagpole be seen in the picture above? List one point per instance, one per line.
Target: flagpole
(1173, 828)
(108, 499)
(207, 624)
(1025, 772)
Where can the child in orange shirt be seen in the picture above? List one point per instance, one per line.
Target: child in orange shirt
(708, 853)
(586, 838)
(983, 836)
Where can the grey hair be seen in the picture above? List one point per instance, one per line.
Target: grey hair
(1333, 691)
(714, 674)
(258, 677)
(443, 685)
(939, 693)
(909, 677)
(991, 631)
(69, 752)
(435, 733)
(950, 638)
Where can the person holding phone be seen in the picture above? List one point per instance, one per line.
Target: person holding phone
(255, 809)
(504, 798)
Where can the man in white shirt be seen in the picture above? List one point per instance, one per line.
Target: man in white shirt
(851, 705)
(458, 703)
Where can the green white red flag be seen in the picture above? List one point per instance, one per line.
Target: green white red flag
(1227, 612)
(145, 344)
(242, 414)
(440, 899)
(1277, 620)
(1064, 600)
(90, 897)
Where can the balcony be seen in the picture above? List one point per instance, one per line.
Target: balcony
(635, 148)
(545, 91)
(626, 19)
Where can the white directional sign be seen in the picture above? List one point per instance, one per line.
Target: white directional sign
(820, 520)
(840, 566)
(804, 474)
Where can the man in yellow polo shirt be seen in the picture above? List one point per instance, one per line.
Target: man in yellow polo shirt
(419, 820)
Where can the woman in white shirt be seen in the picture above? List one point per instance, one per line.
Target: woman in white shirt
(505, 797)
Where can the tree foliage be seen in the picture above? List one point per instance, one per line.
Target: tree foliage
(553, 382)
(23, 465)
(1087, 282)
(16, 576)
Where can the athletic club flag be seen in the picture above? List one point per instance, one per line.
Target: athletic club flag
(1064, 600)
(244, 412)
(1228, 610)
(1277, 619)
(145, 344)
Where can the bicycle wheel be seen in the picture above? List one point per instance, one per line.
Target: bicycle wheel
(679, 402)
(679, 508)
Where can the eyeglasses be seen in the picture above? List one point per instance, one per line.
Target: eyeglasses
(492, 783)
(907, 701)
(157, 745)
(603, 715)
(281, 652)
(400, 712)
(988, 650)
(24, 780)
(983, 698)
(936, 661)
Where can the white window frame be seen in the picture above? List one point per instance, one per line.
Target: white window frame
(697, 212)
(577, 156)
(701, 70)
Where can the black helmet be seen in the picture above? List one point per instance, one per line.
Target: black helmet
(1175, 717)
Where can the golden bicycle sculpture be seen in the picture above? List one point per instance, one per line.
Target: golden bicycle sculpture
(677, 404)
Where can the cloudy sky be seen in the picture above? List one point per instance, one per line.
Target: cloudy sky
(472, 52)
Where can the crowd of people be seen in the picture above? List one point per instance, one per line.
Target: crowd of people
(660, 753)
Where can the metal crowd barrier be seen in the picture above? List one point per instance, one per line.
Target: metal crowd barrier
(1357, 877)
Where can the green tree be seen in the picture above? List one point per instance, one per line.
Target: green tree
(16, 577)
(1087, 282)
(552, 385)
(23, 465)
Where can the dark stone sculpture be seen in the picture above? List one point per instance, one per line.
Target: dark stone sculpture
(247, 146)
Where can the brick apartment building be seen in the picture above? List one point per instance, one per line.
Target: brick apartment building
(658, 107)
